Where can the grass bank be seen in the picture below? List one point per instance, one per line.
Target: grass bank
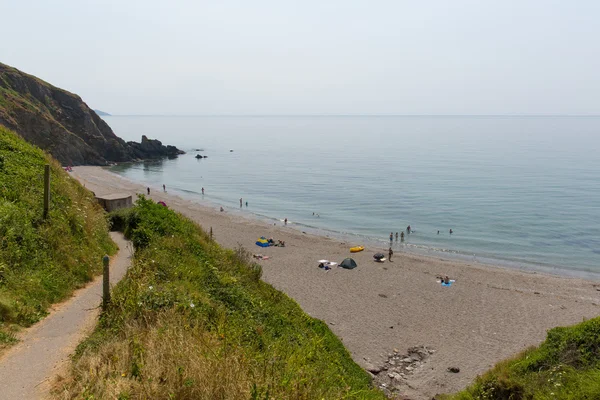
(42, 261)
(565, 366)
(192, 320)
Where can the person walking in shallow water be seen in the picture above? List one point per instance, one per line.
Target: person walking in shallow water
(396, 236)
(202, 190)
(148, 189)
(391, 237)
(240, 201)
(164, 188)
(402, 236)
(285, 221)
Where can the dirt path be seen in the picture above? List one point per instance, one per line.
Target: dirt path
(27, 369)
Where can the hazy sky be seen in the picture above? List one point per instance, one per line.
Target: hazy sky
(312, 57)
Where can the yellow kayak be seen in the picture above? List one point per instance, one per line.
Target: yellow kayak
(356, 249)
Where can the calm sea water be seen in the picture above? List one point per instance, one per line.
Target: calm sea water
(522, 191)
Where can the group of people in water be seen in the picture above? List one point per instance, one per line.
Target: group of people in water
(408, 232)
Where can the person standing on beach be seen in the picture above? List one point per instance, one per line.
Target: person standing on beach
(148, 189)
(164, 188)
(285, 221)
(391, 237)
(390, 254)
(202, 190)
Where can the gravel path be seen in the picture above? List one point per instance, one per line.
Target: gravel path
(27, 369)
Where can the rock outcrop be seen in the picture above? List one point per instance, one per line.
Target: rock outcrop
(62, 124)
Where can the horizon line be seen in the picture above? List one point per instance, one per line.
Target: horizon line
(349, 115)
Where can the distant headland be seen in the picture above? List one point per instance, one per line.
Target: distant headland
(101, 113)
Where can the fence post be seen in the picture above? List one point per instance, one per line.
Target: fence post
(105, 283)
(46, 190)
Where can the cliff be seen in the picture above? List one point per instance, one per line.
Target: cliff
(62, 124)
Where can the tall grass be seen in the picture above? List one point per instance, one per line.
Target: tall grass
(42, 261)
(192, 320)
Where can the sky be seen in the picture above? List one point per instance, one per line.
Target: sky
(326, 57)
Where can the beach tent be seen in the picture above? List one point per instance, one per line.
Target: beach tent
(348, 263)
(378, 256)
(262, 242)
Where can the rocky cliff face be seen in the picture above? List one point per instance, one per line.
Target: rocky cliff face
(62, 124)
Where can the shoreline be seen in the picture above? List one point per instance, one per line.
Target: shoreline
(490, 313)
(379, 244)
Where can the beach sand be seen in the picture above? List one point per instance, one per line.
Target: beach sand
(487, 315)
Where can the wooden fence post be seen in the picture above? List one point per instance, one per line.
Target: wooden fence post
(46, 190)
(105, 283)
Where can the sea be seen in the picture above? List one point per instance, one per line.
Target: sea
(517, 191)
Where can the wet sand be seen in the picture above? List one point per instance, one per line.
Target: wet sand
(488, 314)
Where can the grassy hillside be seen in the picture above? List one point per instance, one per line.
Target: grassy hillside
(42, 261)
(192, 320)
(565, 366)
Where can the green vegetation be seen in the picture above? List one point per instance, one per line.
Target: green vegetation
(42, 261)
(565, 366)
(192, 320)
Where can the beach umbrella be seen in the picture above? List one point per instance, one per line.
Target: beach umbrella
(378, 256)
(348, 263)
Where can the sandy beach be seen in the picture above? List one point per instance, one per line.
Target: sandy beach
(488, 314)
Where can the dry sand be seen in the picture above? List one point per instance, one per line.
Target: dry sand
(487, 315)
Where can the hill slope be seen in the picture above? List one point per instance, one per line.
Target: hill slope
(62, 124)
(42, 261)
(192, 320)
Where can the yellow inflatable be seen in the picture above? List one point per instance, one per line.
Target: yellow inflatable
(356, 249)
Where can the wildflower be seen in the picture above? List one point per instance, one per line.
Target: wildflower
(150, 287)
(192, 305)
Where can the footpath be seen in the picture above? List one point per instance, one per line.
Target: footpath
(28, 368)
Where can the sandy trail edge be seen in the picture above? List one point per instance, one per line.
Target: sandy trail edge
(26, 370)
(489, 314)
